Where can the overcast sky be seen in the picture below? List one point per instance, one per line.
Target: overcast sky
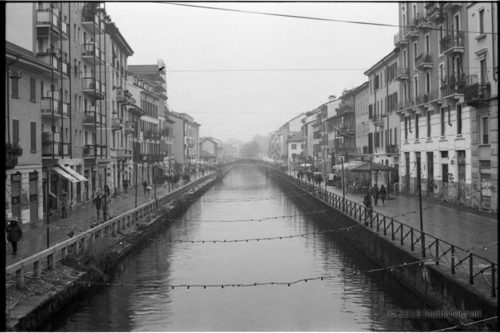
(241, 74)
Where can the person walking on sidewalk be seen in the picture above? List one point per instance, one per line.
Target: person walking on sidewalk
(14, 234)
(383, 192)
(368, 204)
(375, 194)
(98, 202)
(125, 186)
(64, 205)
(145, 185)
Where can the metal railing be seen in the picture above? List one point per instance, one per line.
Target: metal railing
(49, 258)
(458, 260)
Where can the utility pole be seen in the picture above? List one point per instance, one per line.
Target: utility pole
(419, 183)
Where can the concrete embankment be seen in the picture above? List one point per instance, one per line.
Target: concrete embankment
(31, 307)
(447, 295)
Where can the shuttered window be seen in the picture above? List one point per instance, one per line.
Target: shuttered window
(32, 90)
(33, 137)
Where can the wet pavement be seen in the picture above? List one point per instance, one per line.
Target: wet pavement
(460, 226)
(79, 219)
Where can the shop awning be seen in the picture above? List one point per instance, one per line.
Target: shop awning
(347, 166)
(62, 172)
(74, 174)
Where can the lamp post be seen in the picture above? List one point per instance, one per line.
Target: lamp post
(419, 181)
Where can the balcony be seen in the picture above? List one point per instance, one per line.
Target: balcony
(90, 53)
(435, 13)
(426, 98)
(453, 44)
(402, 74)
(120, 95)
(345, 107)
(129, 127)
(88, 151)
(452, 87)
(451, 6)
(410, 33)
(122, 153)
(400, 41)
(378, 120)
(47, 137)
(51, 107)
(90, 20)
(93, 87)
(392, 149)
(422, 23)
(55, 149)
(424, 62)
(92, 119)
(116, 124)
(47, 20)
(477, 94)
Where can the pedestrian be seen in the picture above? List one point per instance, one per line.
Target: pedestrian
(98, 202)
(383, 192)
(125, 185)
(107, 190)
(368, 204)
(145, 185)
(64, 205)
(14, 233)
(375, 194)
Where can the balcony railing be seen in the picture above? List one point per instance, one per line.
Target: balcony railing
(92, 118)
(90, 51)
(424, 61)
(476, 94)
(51, 107)
(378, 120)
(116, 124)
(453, 44)
(93, 87)
(452, 86)
(129, 127)
(392, 149)
(345, 107)
(435, 13)
(399, 40)
(122, 153)
(49, 17)
(410, 32)
(426, 98)
(402, 74)
(88, 151)
(55, 149)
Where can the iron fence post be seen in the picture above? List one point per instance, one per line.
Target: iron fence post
(452, 259)
(471, 269)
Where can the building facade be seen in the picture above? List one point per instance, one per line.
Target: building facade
(481, 96)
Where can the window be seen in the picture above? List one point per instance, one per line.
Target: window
(32, 90)
(415, 85)
(41, 89)
(427, 44)
(459, 118)
(481, 21)
(484, 130)
(404, 59)
(440, 38)
(427, 82)
(428, 124)
(15, 86)
(294, 146)
(484, 72)
(406, 128)
(15, 131)
(443, 122)
(415, 53)
(33, 137)
(416, 126)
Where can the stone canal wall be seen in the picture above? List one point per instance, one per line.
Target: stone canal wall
(52, 279)
(451, 296)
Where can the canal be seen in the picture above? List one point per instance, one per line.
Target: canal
(141, 297)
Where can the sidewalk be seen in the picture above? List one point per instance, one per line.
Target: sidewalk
(34, 237)
(457, 225)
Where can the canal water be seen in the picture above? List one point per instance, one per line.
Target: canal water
(244, 206)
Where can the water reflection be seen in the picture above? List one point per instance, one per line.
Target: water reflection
(350, 302)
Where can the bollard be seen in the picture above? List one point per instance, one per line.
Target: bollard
(19, 278)
(493, 281)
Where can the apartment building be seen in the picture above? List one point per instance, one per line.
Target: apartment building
(120, 137)
(210, 151)
(26, 77)
(361, 120)
(342, 125)
(435, 122)
(185, 147)
(295, 148)
(147, 85)
(308, 129)
(69, 37)
(383, 122)
(481, 96)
